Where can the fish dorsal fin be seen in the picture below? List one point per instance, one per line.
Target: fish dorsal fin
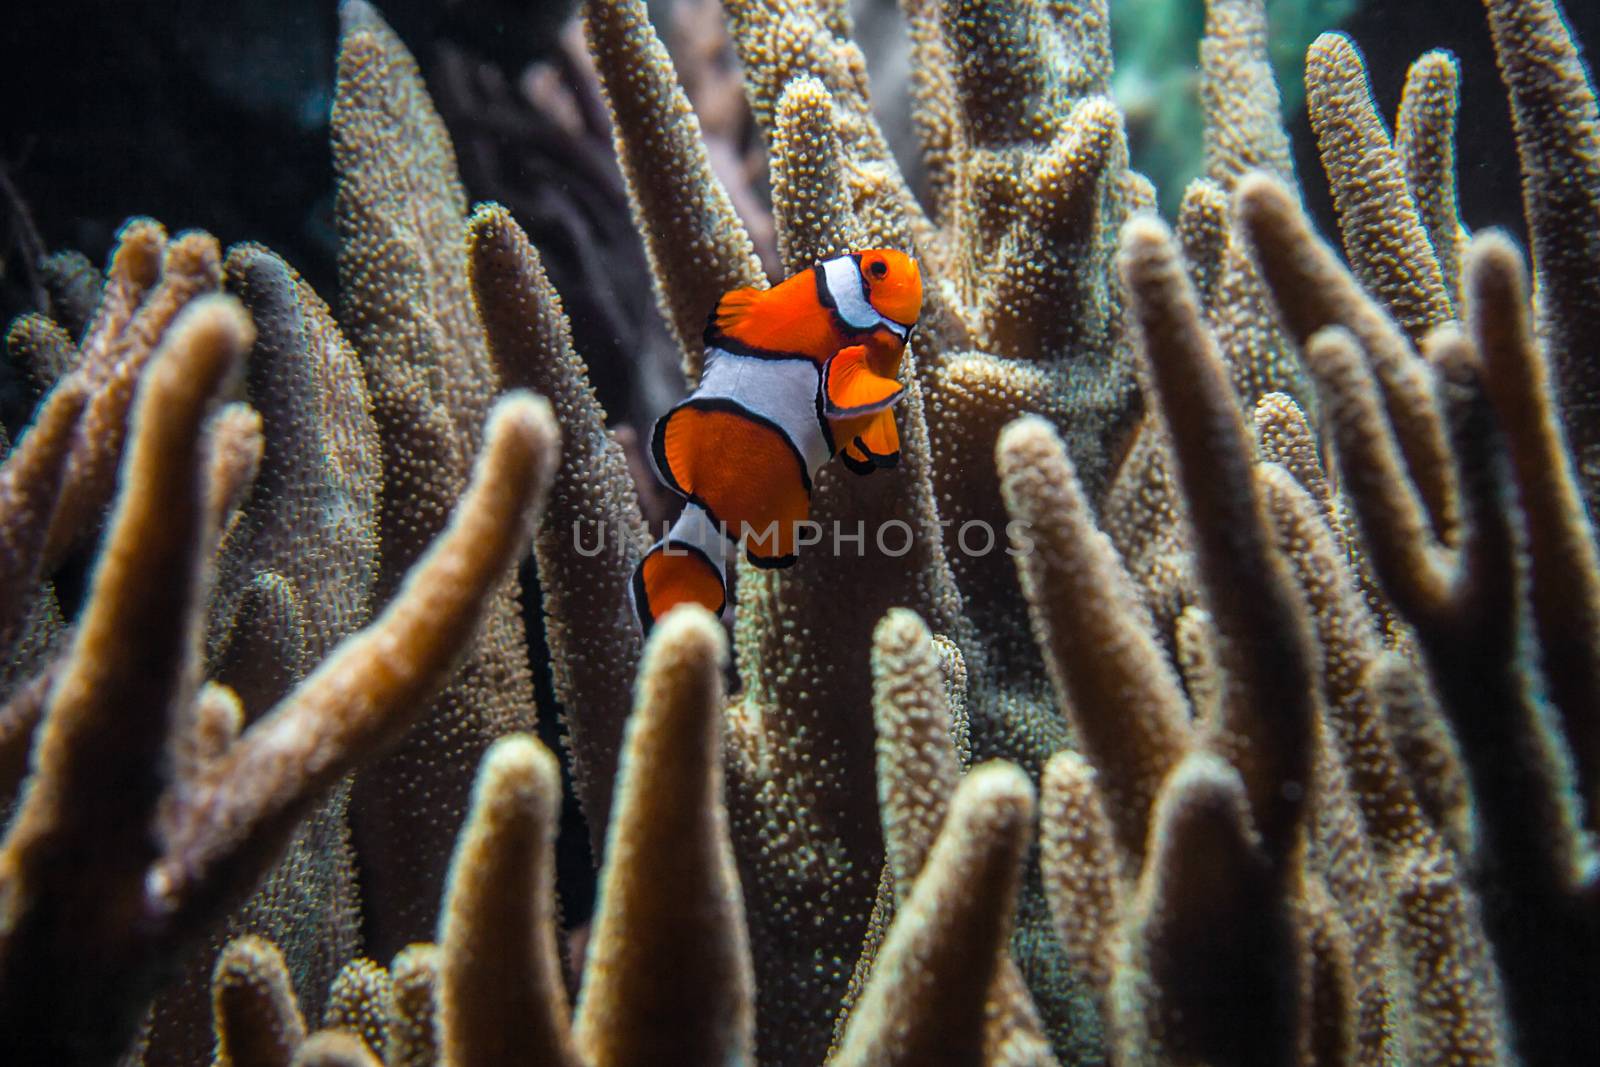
(850, 387)
(735, 307)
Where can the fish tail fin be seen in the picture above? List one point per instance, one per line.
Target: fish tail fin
(687, 566)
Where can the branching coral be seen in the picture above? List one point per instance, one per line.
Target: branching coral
(591, 536)
(1390, 250)
(30, 488)
(674, 985)
(408, 311)
(802, 774)
(1316, 756)
(676, 989)
(1558, 139)
(1466, 596)
(294, 576)
(700, 241)
(101, 887)
(149, 282)
(1168, 995)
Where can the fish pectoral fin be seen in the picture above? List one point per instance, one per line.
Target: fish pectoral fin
(851, 388)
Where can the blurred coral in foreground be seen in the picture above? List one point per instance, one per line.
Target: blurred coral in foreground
(1247, 759)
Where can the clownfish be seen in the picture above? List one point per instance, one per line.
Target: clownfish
(793, 375)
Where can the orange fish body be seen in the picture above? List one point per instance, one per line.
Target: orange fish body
(793, 374)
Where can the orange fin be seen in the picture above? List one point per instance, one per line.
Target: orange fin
(872, 443)
(881, 440)
(669, 577)
(851, 388)
(679, 569)
(734, 308)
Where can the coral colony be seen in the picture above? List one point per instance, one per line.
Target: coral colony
(1279, 745)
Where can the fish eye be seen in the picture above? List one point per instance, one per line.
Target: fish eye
(878, 268)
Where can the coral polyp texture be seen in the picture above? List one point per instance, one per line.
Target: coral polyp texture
(1266, 732)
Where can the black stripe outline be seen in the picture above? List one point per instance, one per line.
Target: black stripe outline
(880, 460)
(824, 294)
(641, 600)
(716, 339)
(896, 322)
(822, 420)
(770, 563)
(856, 466)
(825, 298)
(727, 405)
